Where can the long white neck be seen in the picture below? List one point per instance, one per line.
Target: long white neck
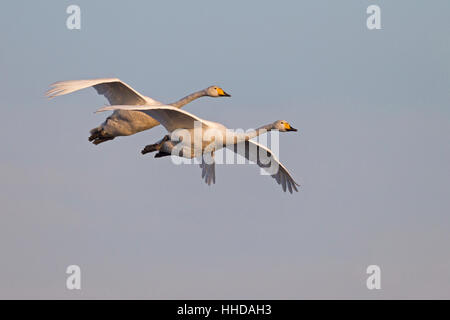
(239, 137)
(259, 131)
(189, 98)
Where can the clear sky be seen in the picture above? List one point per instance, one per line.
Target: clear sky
(372, 152)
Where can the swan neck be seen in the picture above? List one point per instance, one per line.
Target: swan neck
(259, 131)
(183, 101)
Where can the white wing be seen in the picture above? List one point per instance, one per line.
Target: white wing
(116, 91)
(171, 118)
(208, 171)
(251, 150)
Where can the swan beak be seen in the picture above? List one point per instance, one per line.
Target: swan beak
(222, 93)
(291, 129)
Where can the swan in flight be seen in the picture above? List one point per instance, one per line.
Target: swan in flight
(124, 122)
(214, 136)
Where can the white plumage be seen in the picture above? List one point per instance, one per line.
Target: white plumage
(174, 119)
(117, 92)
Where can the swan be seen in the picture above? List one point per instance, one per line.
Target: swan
(123, 122)
(214, 136)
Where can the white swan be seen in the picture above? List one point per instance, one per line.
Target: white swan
(174, 119)
(123, 122)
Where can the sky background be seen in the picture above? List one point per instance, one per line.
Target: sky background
(372, 152)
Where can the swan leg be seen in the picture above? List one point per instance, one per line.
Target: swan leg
(161, 154)
(151, 148)
(156, 146)
(99, 135)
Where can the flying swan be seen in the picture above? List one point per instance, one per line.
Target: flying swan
(123, 122)
(181, 126)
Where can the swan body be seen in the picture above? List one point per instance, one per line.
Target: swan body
(117, 92)
(176, 121)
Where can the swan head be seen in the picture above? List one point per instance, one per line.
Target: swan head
(215, 91)
(283, 126)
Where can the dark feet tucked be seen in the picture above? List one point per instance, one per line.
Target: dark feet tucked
(162, 154)
(99, 135)
(150, 148)
(156, 146)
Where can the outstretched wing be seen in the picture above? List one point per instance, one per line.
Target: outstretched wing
(170, 117)
(116, 91)
(208, 170)
(252, 151)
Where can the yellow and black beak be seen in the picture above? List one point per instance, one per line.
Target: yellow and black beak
(288, 127)
(222, 93)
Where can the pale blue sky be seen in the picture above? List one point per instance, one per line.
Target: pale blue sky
(372, 152)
